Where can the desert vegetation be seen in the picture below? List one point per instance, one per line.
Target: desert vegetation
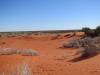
(10, 51)
(88, 45)
(54, 51)
(23, 69)
(20, 69)
(91, 32)
(51, 60)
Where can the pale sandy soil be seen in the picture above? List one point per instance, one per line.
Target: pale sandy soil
(51, 60)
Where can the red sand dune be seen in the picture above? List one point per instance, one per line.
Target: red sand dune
(51, 60)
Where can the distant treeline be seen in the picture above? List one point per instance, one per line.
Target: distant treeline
(86, 30)
(47, 31)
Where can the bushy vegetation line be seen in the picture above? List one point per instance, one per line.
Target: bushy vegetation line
(91, 32)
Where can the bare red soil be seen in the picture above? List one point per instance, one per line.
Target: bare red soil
(52, 60)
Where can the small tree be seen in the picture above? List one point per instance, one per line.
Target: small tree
(88, 31)
(97, 31)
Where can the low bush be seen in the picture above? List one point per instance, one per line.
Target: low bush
(72, 44)
(10, 51)
(29, 52)
(77, 43)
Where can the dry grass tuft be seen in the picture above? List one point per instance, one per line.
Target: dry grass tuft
(10, 51)
(19, 69)
(23, 69)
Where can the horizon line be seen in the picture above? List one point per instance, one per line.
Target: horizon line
(42, 30)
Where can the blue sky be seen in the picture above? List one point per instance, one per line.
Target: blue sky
(23, 15)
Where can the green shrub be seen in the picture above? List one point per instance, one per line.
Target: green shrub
(97, 31)
(88, 32)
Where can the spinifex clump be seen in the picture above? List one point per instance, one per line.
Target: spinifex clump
(10, 51)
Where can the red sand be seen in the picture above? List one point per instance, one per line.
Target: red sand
(52, 60)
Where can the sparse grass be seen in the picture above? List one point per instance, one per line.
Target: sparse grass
(23, 69)
(10, 51)
(20, 69)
